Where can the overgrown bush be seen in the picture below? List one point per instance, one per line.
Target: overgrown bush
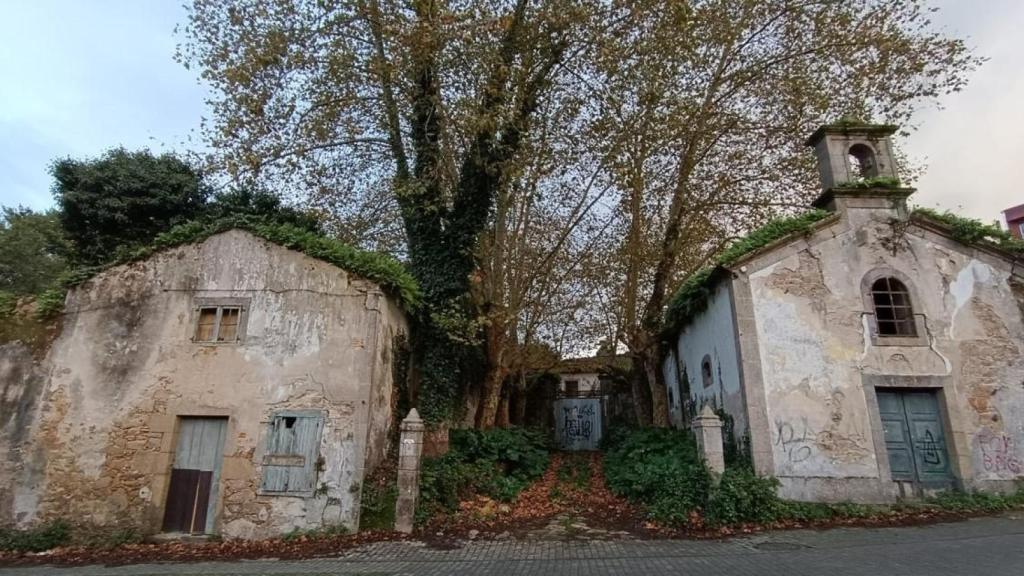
(660, 469)
(39, 539)
(498, 463)
(8, 302)
(377, 506)
(743, 496)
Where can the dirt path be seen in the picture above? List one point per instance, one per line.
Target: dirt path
(569, 501)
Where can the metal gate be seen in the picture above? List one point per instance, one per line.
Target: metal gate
(914, 437)
(191, 496)
(578, 423)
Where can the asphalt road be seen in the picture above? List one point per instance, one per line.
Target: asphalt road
(977, 547)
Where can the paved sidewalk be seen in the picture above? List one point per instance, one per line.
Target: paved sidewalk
(977, 547)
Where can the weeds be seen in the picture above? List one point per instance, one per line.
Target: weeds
(498, 463)
(39, 539)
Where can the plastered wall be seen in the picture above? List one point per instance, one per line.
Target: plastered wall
(97, 417)
(819, 363)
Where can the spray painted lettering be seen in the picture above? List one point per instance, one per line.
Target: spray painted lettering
(999, 454)
(929, 449)
(797, 442)
(578, 423)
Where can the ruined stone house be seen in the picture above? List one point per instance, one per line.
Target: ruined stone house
(228, 386)
(867, 356)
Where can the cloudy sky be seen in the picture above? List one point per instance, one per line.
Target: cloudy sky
(78, 77)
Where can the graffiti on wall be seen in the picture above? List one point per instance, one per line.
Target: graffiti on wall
(799, 441)
(998, 454)
(796, 442)
(578, 423)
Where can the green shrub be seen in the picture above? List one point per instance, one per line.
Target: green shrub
(742, 496)
(377, 505)
(8, 301)
(498, 463)
(39, 539)
(660, 469)
(50, 303)
(520, 453)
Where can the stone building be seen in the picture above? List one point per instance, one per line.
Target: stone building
(228, 386)
(867, 354)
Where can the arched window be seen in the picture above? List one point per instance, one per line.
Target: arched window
(862, 161)
(705, 372)
(894, 313)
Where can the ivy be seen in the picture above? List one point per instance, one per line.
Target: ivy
(971, 231)
(692, 296)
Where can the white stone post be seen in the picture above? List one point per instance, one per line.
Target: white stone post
(707, 427)
(410, 448)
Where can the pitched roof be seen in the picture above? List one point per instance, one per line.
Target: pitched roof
(380, 268)
(692, 296)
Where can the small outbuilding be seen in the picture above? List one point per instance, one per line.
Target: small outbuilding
(861, 351)
(230, 385)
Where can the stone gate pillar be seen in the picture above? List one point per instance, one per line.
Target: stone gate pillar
(707, 426)
(410, 448)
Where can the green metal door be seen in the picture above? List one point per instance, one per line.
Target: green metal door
(914, 438)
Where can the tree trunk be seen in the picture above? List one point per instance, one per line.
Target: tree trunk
(641, 394)
(490, 397)
(659, 395)
(502, 418)
(519, 397)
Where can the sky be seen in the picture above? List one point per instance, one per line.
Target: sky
(78, 77)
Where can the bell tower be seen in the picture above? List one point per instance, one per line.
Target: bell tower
(855, 160)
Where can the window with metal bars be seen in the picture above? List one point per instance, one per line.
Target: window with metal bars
(894, 313)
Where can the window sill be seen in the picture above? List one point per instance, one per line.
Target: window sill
(904, 341)
(921, 340)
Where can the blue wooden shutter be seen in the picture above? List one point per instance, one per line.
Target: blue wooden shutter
(293, 447)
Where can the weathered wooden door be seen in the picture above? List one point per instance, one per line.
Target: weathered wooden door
(191, 496)
(914, 437)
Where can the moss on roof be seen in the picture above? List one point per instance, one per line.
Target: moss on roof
(376, 267)
(971, 231)
(692, 296)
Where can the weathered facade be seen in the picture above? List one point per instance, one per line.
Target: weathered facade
(229, 386)
(871, 357)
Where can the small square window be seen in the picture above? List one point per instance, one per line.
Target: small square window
(206, 328)
(219, 323)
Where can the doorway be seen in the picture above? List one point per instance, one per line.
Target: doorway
(914, 437)
(195, 475)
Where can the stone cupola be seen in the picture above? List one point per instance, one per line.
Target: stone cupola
(855, 162)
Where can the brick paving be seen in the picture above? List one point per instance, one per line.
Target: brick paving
(976, 547)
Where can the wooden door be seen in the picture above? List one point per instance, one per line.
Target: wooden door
(191, 496)
(914, 437)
